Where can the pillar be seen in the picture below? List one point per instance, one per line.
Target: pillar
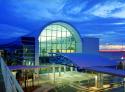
(53, 69)
(99, 80)
(71, 68)
(64, 69)
(36, 55)
(75, 69)
(48, 71)
(59, 70)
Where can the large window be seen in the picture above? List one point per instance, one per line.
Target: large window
(56, 38)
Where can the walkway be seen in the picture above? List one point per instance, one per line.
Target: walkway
(2, 85)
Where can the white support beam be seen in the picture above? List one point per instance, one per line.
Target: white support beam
(99, 80)
(71, 69)
(54, 71)
(64, 69)
(59, 70)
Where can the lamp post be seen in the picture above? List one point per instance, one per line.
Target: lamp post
(123, 66)
(123, 62)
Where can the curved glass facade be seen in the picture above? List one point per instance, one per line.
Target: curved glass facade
(57, 38)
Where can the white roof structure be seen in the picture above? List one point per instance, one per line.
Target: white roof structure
(88, 60)
(94, 63)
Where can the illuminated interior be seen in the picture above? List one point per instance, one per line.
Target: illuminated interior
(58, 38)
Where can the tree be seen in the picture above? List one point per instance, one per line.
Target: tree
(43, 52)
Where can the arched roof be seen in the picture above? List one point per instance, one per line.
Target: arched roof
(65, 24)
(70, 28)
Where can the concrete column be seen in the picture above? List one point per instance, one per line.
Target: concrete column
(59, 70)
(75, 69)
(36, 55)
(53, 69)
(64, 69)
(99, 80)
(48, 71)
(71, 69)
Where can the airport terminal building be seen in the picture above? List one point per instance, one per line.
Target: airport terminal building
(60, 47)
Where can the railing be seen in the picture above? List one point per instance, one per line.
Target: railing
(10, 82)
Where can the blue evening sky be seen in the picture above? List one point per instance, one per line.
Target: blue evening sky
(96, 18)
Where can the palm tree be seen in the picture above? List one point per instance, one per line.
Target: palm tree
(43, 52)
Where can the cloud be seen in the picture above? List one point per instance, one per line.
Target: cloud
(108, 9)
(36, 9)
(49, 9)
(93, 35)
(8, 31)
(74, 8)
(120, 14)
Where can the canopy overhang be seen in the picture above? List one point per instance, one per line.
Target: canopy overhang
(94, 63)
(22, 67)
(107, 70)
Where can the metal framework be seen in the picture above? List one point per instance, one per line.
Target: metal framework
(57, 38)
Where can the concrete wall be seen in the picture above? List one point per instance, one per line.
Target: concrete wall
(90, 45)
